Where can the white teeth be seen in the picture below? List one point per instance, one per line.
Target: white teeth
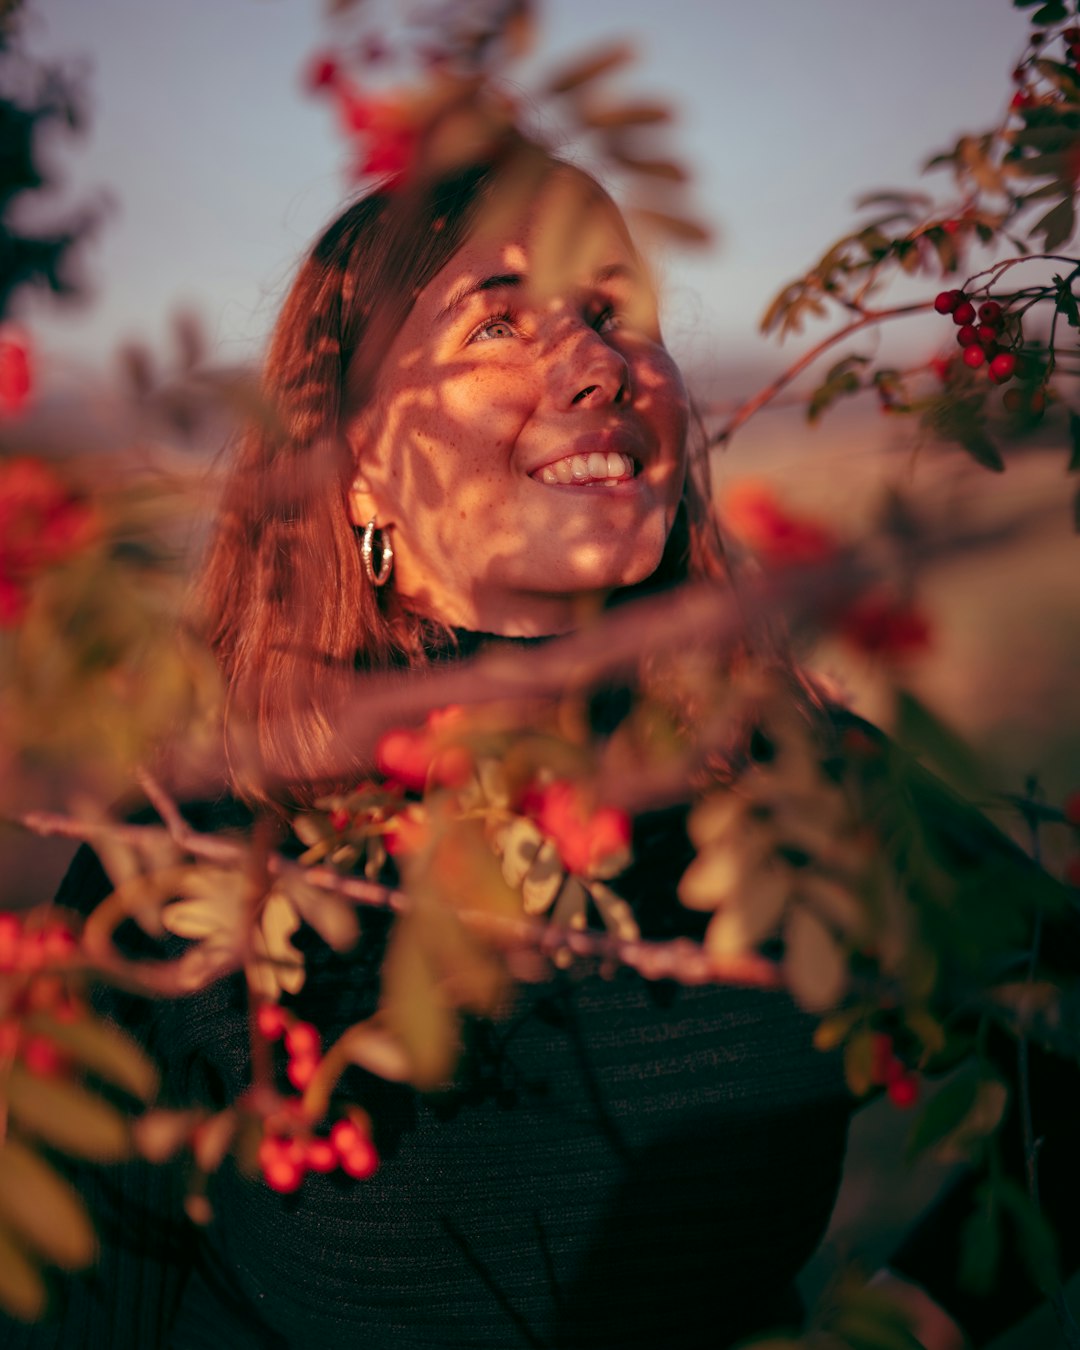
(611, 469)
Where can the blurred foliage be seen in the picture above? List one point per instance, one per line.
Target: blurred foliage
(827, 859)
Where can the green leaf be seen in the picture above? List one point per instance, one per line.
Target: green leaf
(924, 733)
(943, 1114)
(1057, 225)
(103, 1050)
(1052, 12)
(980, 1245)
(67, 1117)
(43, 1211)
(415, 1008)
(1037, 1242)
(859, 1061)
(983, 451)
(965, 1112)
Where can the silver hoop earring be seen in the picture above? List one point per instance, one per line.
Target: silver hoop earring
(386, 554)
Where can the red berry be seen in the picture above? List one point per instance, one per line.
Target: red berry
(946, 301)
(302, 1041)
(964, 312)
(1072, 870)
(1002, 367)
(344, 1136)
(301, 1070)
(990, 312)
(968, 335)
(281, 1161)
(361, 1162)
(974, 357)
(941, 366)
(1071, 34)
(320, 1155)
(322, 73)
(1072, 808)
(1021, 99)
(987, 334)
(904, 1091)
(271, 1020)
(43, 1057)
(340, 819)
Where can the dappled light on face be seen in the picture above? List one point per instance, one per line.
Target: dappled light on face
(517, 359)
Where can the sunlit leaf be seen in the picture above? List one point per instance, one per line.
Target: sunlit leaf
(371, 1046)
(543, 879)
(520, 844)
(734, 929)
(588, 67)
(67, 1116)
(42, 1209)
(814, 966)
(160, 1134)
(677, 227)
(332, 916)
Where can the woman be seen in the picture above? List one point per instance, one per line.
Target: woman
(480, 437)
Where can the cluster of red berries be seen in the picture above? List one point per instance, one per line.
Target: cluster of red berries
(35, 946)
(34, 953)
(284, 1158)
(889, 1071)
(978, 339)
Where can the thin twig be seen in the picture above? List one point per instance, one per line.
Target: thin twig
(758, 401)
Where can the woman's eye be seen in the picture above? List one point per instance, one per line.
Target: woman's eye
(607, 319)
(500, 326)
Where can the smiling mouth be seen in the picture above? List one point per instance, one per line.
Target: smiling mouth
(610, 468)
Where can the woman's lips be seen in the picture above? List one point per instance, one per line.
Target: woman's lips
(610, 467)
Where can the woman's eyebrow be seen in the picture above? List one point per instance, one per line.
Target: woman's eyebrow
(470, 288)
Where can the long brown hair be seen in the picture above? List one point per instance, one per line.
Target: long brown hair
(283, 599)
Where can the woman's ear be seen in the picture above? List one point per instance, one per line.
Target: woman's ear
(359, 501)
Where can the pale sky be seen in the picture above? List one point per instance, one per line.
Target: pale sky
(221, 169)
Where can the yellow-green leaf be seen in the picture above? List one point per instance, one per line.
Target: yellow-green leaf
(22, 1290)
(544, 878)
(415, 1008)
(43, 1210)
(103, 1050)
(67, 1116)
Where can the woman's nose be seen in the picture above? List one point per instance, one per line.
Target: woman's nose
(593, 373)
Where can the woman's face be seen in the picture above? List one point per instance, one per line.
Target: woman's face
(525, 448)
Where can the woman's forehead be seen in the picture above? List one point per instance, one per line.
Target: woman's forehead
(563, 239)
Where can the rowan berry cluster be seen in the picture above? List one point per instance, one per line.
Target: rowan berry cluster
(979, 333)
(32, 955)
(286, 1158)
(889, 1071)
